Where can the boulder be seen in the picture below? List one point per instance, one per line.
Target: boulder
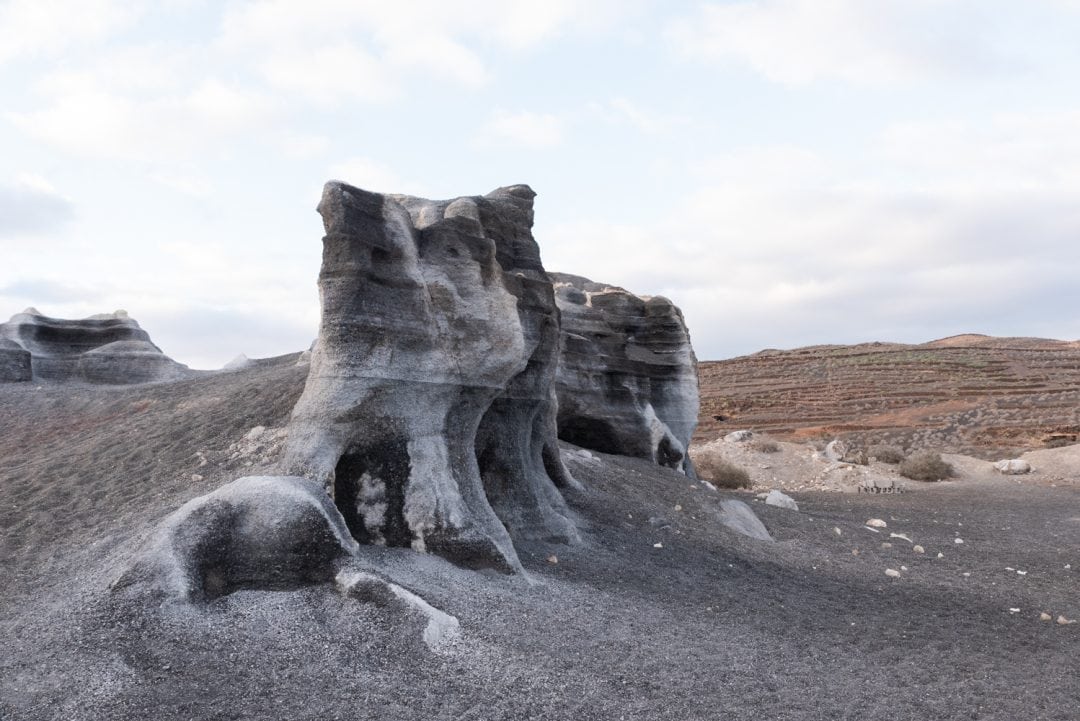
(835, 451)
(627, 376)
(739, 436)
(739, 517)
(257, 532)
(781, 500)
(428, 412)
(109, 349)
(1013, 467)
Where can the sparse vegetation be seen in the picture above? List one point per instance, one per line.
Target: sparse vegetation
(857, 456)
(886, 454)
(765, 446)
(1058, 443)
(722, 473)
(926, 466)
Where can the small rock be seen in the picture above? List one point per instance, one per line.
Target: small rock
(1013, 467)
(837, 531)
(195, 478)
(919, 549)
(886, 545)
(1014, 610)
(553, 559)
(1062, 621)
(854, 552)
(958, 541)
(903, 568)
(1044, 616)
(658, 545)
(678, 507)
(781, 500)
(1021, 573)
(966, 574)
(900, 535)
(892, 573)
(877, 523)
(940, 555)
(739, 436)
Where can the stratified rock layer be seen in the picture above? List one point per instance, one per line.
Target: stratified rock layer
(627, 376)
(429, 410)
(107, 349)
(15, 362)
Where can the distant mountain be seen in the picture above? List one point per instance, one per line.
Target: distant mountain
(969, 393)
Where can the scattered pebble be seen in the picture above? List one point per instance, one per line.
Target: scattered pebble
(958, 541)
(901, 535)
(1021, 573)
(919, 549)
(876, 523)
(966, 574)
(658, 545)
(940, 554)
(195, 478)
(892, 573)
(1062, 621)
(903, 568)
(854, 552)
(1009, 568)
(678, 507)
(886, 545)
(837, 531)
(1044, 616)
(1014, 610)
(553, 559)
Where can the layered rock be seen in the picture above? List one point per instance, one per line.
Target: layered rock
(428, 412)
(627, 376)
(15, 362)
(107, 349)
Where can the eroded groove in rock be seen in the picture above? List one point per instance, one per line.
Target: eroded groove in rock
(109, 349)
(428, 411)
(627, 376)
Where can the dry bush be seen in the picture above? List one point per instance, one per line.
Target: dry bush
(1058, 443)
(765, 446)
(926, 466)
(856, 456)
(886, 454)
(722, 473)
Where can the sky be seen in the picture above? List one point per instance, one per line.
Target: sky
(789, 172)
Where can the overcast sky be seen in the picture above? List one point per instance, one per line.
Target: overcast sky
(789, 172)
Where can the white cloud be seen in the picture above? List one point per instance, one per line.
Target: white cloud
(800, 41)
(31, 206)
(375, 176)
(523, 128)
(934, 230)
(33, 28)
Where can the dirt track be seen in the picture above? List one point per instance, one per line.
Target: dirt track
(711, 625)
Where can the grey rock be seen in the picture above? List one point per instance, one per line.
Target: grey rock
(739, 436)
(627, 376)
(1013, 467)
(738, 517)
(835, 451)
(15, 363)
(240, 362)
(781, 500)
(428, 412)
(108, 349)
(257, 532)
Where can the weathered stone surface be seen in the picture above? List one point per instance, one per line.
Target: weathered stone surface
(627, 377)
(257, 532)
(15, 364)
(428, 411)
(108, 349)
(1012, 467)
(781, 500)
(739, 517)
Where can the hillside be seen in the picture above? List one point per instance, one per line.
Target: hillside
(971, 394)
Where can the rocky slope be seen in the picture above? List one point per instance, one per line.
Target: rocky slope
(988, 397)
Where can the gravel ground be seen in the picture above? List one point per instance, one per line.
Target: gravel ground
(709, 625)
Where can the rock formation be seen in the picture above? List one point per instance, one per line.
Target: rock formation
(627, 377)
(107, 349)
(14, 362)
(428, 412)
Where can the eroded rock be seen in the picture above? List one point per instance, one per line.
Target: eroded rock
(428, 412)
(109, 349)
(627, 378)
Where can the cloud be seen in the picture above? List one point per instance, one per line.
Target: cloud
(375, 176)
(800, 41)
(31, 206)
(931, 230)
(524, 129)
(40, 291)
(34, 28)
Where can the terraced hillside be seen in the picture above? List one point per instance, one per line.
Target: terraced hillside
(969, 394)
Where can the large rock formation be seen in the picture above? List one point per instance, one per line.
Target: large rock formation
(428, 412)
(108, 349)
(627, 377)
(15, 362)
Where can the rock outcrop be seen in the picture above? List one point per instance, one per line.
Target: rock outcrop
(15, 362)
(108, 349)
(429, 410)
(627, 377)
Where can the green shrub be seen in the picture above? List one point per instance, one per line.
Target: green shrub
(886, 454)
(722, 473)
(765, 446)
(926, 466)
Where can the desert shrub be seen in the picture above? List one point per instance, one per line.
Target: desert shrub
(856, 456)
(926, 466)
(765, 446)
(722, 473)
(1058, 443)
(886, 454)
